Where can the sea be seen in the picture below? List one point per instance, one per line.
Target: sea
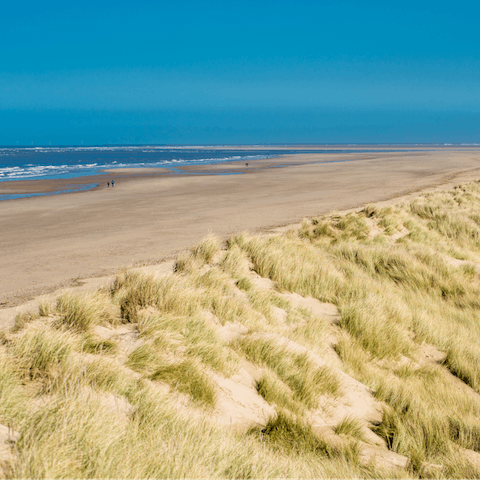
(36, 163)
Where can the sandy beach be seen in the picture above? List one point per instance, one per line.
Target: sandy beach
(149, 216)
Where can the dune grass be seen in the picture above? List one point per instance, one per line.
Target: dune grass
(305, 379)
(350, 427)
(289, 433)
(186, 377)
(405, 281)
(278, 393)
(40, 352)
(81, 312)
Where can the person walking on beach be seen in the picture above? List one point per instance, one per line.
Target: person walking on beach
(113, 183)
(108, 184)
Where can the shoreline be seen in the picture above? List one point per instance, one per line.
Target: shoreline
(51, 242)
(65, 186)
(52, 186)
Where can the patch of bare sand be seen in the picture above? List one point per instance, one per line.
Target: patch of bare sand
(126, 337)
(455, 262)
(238, 405)
(317, 308)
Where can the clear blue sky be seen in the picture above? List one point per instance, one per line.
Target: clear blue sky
(239, 72)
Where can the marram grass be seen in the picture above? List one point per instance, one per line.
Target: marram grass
(405, 281)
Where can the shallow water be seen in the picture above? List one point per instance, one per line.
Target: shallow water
(36, 163)
(69, 189)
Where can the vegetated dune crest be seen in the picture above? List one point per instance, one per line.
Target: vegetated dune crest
(344, 347)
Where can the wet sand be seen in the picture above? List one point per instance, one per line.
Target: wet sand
(47, 242)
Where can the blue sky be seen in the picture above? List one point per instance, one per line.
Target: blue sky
(239, 72)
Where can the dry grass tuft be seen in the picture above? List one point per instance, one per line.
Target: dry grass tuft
(40, 352)
(81, 312)
(306, 380)
(199, 255)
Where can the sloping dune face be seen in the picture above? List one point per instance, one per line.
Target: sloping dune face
(346, 347)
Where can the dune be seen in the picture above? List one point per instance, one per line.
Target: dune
(344, 346)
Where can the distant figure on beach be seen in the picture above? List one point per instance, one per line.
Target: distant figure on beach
(108, 184)
(246, 164)
(113, 183)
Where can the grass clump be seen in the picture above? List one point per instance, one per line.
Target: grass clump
(146, 359)
(276, 392)
(207, 248)
(289, 433)
(107, 375)
(351, 427)
(244, 284)
(308, 329)
(186, 377)
(81, 312)
(366, 318)
(306, 380)
(236, 262)
(292, 434)
(232, 309)
(45, 309)
(464, 365)
(170, 293)
(70, 437)
(22, 319)
(14, 397)
(41, 352)
(294, 265)
(92, 344)
(193, 336)
(199, 255)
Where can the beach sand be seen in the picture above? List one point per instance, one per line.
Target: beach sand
(52, 241)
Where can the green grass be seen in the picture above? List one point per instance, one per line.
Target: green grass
(146, 359)
(22, 319)
(106, 375)
(14, 397)
(194, 336)
(92, 344)
(292, 434)
(186, 377)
